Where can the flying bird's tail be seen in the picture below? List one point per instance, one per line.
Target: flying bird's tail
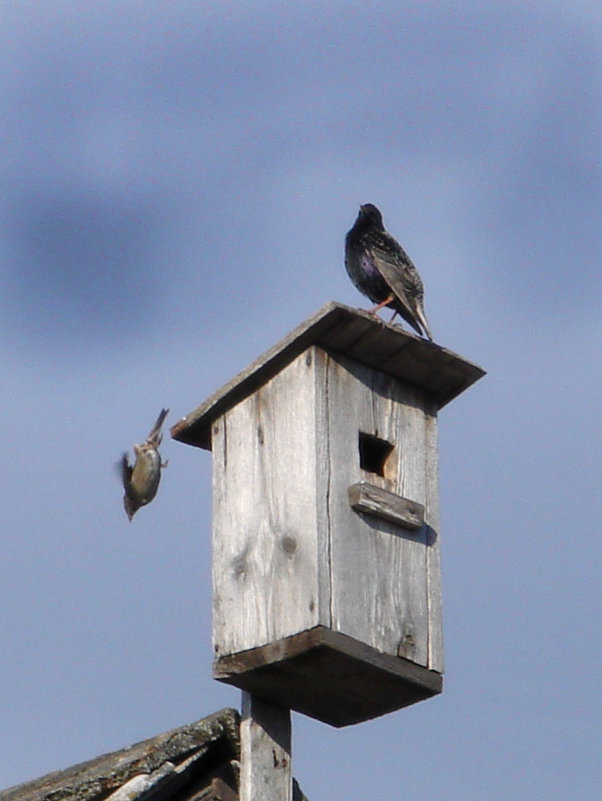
(154, 438)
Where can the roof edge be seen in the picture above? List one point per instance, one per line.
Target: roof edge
(354, 333)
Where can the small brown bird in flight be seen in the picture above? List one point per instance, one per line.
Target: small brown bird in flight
(141, 481)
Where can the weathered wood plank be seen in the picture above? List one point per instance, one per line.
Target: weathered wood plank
(341, 329)
(265, 540)
(433, 554)
(322, 466)
(375, 501)
(329, 676)
(265, 751)
(378, 577)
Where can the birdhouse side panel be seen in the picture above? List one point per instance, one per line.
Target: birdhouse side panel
(376, 428)
(265, 576)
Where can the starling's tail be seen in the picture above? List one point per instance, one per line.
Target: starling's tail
(423, 321)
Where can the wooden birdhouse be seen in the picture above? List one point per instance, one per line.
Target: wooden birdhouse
(326, 576)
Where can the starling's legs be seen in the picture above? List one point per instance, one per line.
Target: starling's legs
(385, 302)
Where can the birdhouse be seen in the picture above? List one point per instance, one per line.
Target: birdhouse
(326, 574)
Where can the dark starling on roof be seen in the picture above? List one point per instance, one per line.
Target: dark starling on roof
(381, 269)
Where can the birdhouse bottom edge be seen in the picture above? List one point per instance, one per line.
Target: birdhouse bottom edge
(328, 676)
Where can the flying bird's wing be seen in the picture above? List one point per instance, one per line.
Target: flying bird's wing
(125, 469)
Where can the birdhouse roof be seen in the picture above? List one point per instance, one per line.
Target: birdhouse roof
(356, 334)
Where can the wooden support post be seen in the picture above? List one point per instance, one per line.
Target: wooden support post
(265, 751)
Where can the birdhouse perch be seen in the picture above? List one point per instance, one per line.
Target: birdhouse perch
(326, 576)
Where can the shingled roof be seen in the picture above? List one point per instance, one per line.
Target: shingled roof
(197, 762)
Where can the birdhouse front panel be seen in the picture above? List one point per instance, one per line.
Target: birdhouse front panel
(382, 500)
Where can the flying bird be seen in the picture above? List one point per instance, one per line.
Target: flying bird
(381, 269)
(141, 480)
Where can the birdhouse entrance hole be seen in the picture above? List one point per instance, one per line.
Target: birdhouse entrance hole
(374, 453)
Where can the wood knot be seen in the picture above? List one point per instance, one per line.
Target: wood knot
(407, 644)
(239, 566)
(289, 544)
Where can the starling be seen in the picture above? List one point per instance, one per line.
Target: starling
(141, 481)
(381, 269)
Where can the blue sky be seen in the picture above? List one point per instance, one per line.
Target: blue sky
(177, 181)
